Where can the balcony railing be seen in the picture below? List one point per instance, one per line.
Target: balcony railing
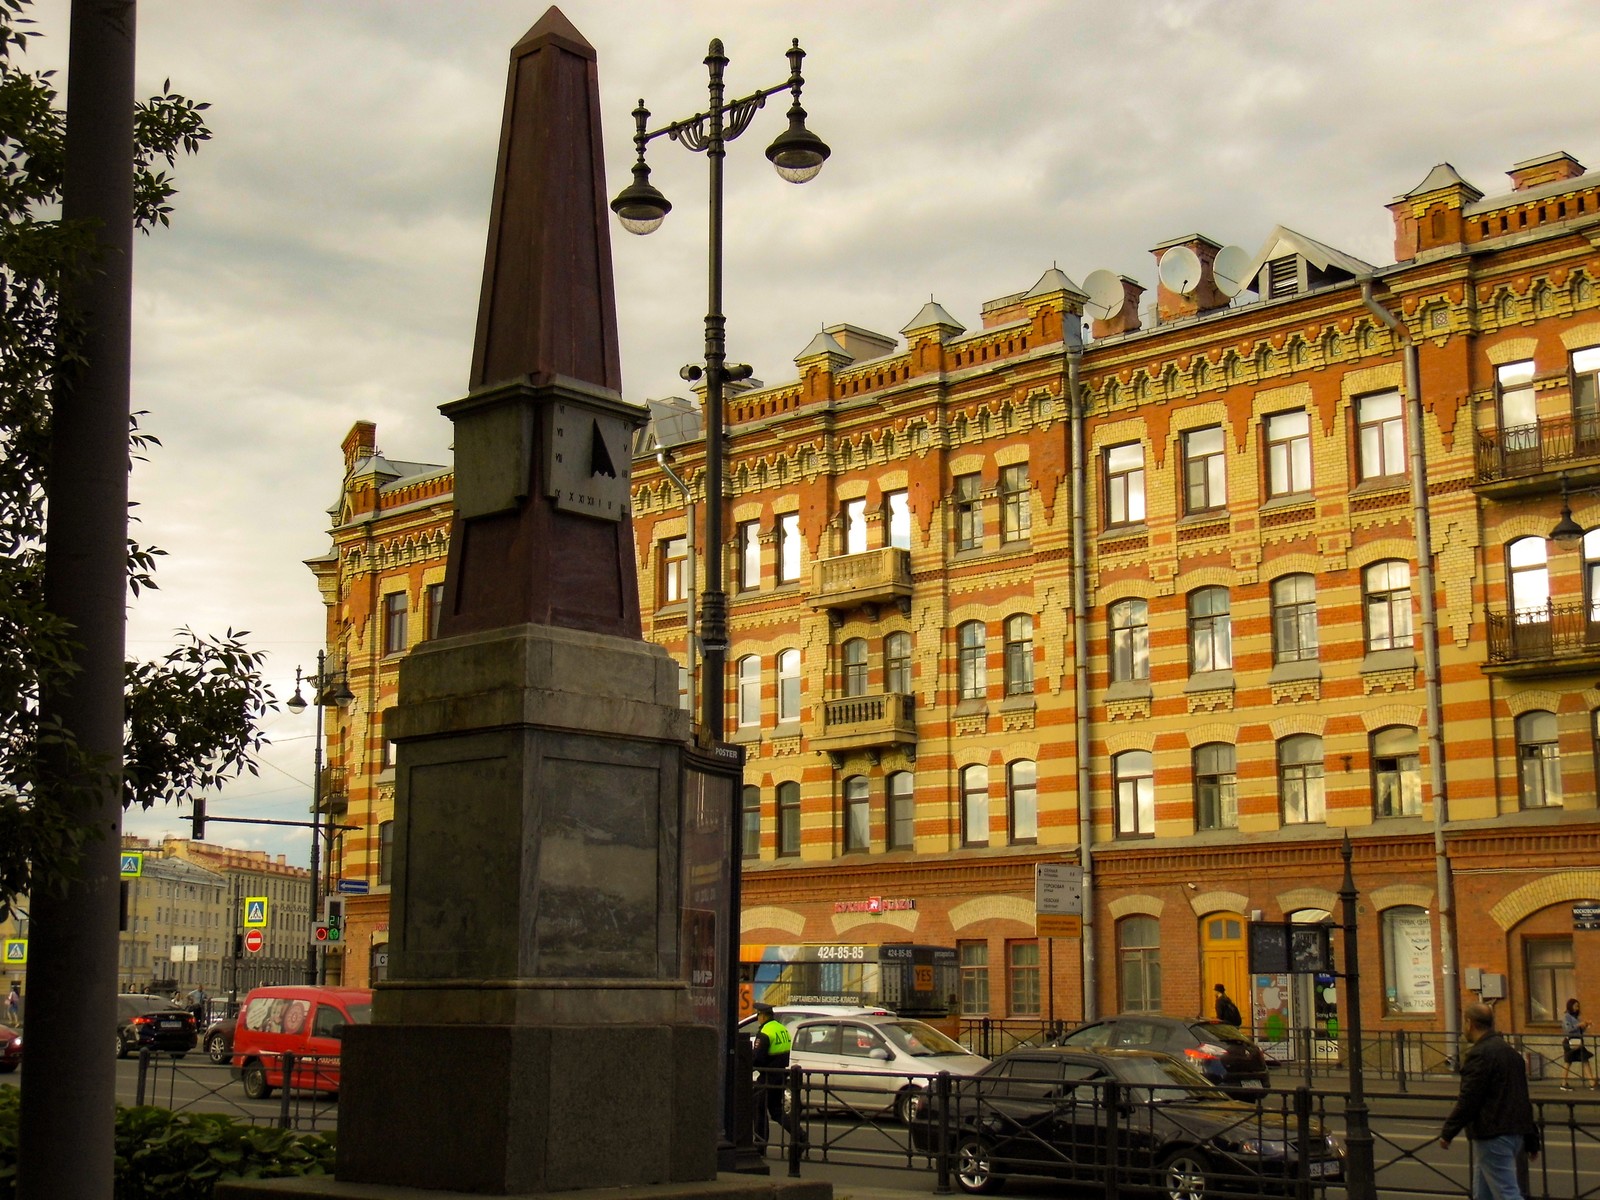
(866, 722)
(1541, 634)
(335, 799)
(868, 579)
(1523, 450)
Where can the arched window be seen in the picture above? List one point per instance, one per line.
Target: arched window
(750, 690)
(1396, 773)
(975, 806)
(788, 819)
(1300, 780)
(854, 656)
(897, 664)
(788, 686)
(1216, 801)
(1022, 801)
(902, 810)
(973, 666)
(1539, 757)
(1019, 655)
(1133, 778)
(1139, 964)
(1130, 640)
(857, 816)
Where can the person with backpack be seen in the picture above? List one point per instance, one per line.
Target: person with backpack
(1227, 1010)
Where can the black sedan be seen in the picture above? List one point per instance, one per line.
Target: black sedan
(1045, 1111)
(153, 1023)
(217, 1041)
(1219, 1052)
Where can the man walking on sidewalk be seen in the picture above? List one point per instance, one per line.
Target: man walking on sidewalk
(1493, 1108)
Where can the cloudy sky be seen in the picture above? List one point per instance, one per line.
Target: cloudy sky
(325, 255)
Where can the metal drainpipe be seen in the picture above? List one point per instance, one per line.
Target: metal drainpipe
(1443, 883)
(1080, 664)
(688, 575)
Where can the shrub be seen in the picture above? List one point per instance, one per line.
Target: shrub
(163, 1155)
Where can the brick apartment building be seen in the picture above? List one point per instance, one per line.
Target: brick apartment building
(1149, 602)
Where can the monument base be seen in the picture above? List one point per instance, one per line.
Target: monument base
(521, 1109)
(740, 1187)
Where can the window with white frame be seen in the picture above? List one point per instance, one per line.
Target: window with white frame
(901, 790)
(974, 960)
(1288, 453)
(1210, 630)
(1519, 414)
(1134, 783)
(1294, 618)
(1300, 782)
(975, 806)
(1381, 436)
(857, 815)
(1216, 800)
(674, 570)
(749, 684)
(1019, 655)
(1139, 964)
(1205, 479)
(1124, 469)
(1396, 772)
(1387, 598)
(1022, 801)
(1023, 963)
(1539, 759)
(788, 686)
(1129, 621)
(788, 547)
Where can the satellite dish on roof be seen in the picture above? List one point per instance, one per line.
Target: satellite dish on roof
(1229, 270)
(1180, 270)
(1105, 293)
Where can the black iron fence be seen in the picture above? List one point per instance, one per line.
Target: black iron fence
(179, 1084)
(1523, 450)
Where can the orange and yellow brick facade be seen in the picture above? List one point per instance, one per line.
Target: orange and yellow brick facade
(1148, 601)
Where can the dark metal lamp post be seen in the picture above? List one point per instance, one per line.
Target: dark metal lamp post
(797, 154)
(1360, 1183)
(324, 695)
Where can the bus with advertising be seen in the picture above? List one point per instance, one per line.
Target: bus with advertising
(910, 980)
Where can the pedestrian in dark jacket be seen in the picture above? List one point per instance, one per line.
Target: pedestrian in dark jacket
(1493, 1108)
(1227, 1010)
(770, 1058)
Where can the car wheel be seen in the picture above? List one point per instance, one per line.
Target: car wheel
(122, 1046)
(905, 1104)
(217, 1048)
(255, 1081)
(1184, 1175)
(973, 1171)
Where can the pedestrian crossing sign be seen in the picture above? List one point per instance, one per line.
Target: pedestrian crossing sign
(16, 952)
(255, 912)
(132, 864)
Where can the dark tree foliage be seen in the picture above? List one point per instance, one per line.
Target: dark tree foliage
(192, 718)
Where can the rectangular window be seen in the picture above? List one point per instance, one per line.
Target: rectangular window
(1210, 630)
(1125, 484)
(902, 811)
(897, 664)
(750, 823)
(1407, 960)
(749, 691)
(857, 816)
(975, 806)
(1016, 506)
(1300, 780)
(969, 512)
(1216, 800)
(972, 661)
(1294, 619)
(1388, 605)
(1396, 773)
(897, 510)
(1024, 969)
(1130, 641)
(974, 959)
(1019, 655)
(788, 686)
(1381, 435)
(749, 535)
(1552, 977)
(1022, 801)
(1288, 453)
(855, 526)
(385, 853)
(788, 820)
(435, 601)
(789, 548)
(394, 623)
(674, 555)
(853, 654)
(1135, 785)
(1586, 401)
(1205, 486)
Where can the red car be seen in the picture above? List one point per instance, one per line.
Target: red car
(10, 1049)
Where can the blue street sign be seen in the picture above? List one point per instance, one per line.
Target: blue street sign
(352, 887)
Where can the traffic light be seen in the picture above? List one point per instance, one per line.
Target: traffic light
(199, 819)
(335, 918)
(321, 933)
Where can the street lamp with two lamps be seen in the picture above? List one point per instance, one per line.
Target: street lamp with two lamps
(329, 689)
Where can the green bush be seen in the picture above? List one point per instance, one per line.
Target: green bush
(163, 1155)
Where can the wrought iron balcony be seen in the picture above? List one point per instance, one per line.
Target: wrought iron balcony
(1551, 637)
(335, 797)
(866, 723)
(1524, 452)
(864, 580)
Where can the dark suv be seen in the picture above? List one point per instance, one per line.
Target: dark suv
(1219, 1052)
(153, 1023)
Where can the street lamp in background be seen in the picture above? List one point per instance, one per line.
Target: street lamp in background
(325, 693)
(798, 154)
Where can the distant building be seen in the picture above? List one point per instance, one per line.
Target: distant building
(1149, 603)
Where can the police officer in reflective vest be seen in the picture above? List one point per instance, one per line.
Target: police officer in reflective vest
(771, 1060)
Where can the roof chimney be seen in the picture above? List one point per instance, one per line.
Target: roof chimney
(1547, 168)
(1202, 294)
(1126, 318)
(361, 442)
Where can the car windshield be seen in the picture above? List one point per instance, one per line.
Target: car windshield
(1172, 1079)
(1211, 1032)
(919, 1040)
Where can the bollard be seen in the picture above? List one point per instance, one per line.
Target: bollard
(1302, 1141)
(941, 1087)
(1112, 1099)
(1400, 1051)
(144, 1066)
(286, 1060)
(797, 1134)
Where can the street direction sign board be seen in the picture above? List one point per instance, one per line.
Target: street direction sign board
(352, 887)
(254, 940)
(132, 864)
(255, 912)
(1058, 899)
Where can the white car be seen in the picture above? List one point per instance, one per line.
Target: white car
(792, 1014)
(875, 1063)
